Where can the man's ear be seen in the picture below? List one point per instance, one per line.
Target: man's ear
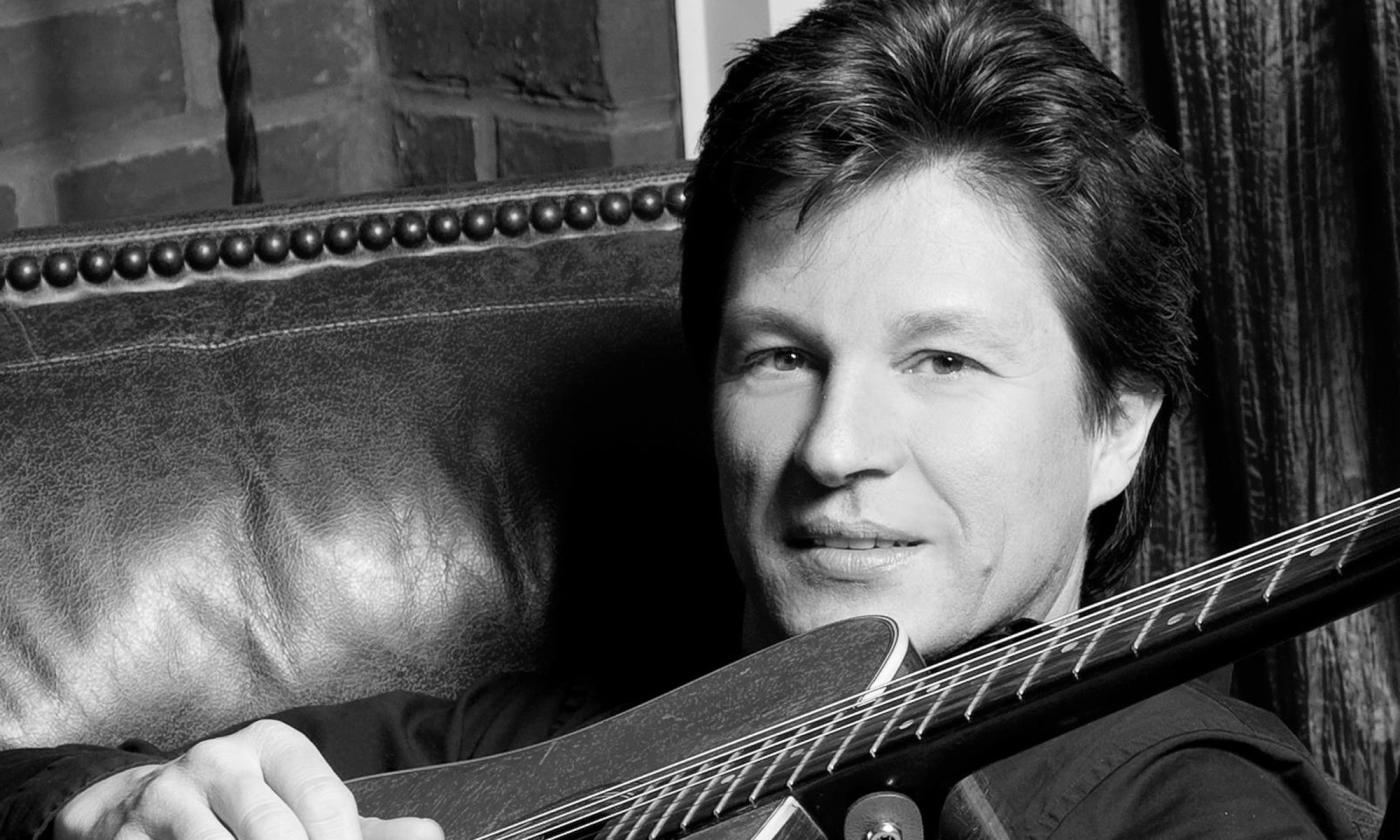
(1121, 440)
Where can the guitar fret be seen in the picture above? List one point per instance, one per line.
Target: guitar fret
(894, 719)
(1152, 618)
(1215, 592)
(739, 778)
(846, 742)
(647, 800)
(943, 695)
(767, 774)
(670, 811)
(807, 756)
(982, 689)
(1276, 576)
(1089, 648)
(1351, 543)
(612, 832)
(1283, 567)
(1040, 660)
(716, 773)
(646, 817)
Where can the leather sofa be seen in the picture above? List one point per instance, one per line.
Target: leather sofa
(297, 454)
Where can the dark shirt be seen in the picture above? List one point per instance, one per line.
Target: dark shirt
(1186, 763)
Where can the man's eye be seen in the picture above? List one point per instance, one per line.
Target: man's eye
(781, 359)
(940, 364)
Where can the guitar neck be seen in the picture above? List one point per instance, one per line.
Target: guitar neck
(1004, 696)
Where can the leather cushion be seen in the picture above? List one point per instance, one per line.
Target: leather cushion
(229, 498)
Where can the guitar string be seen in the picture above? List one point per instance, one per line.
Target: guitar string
(1234, 564)
(671, 778)
(672, 774)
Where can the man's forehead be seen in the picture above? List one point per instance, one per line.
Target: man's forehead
(907, 202)
(1007, 333)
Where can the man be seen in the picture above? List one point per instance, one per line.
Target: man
(937, 276)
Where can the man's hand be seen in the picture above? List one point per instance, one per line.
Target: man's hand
(263, 782)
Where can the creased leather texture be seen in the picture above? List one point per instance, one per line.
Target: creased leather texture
(232, 497)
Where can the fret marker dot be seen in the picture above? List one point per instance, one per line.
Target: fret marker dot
(1069, 647)
(1317, 552)
(1176, 619)
(907, 724)
(727, 779)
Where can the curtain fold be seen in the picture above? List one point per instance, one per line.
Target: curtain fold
(1288, 117)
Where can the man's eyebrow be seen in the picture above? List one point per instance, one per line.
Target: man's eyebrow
(911, 326)
(763, 318)
(751, 320)
(994, 332)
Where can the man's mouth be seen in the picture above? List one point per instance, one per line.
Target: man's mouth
(851, 543)
(852, 551)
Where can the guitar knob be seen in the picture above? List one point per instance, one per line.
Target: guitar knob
(885, 815)
(885, 831)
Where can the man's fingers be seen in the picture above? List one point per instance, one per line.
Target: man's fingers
(253, 811)
(295, 770)
(322, 804)
(166, 806)
(186, 821)
(264, 782)
(196, 824)
(401, 828)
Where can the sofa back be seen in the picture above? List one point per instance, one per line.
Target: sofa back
(298, 454)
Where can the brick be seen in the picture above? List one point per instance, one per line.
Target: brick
(535, 149)
(299, 161)
(295, 47)
(427, 39)
(324, 158)
(638, 68)
(434, 148)
(580, 51)
(537, 48)
(305, 160)
(648, 144)
(527, 149)
(192, 178)
(94, 69)
(9, 218)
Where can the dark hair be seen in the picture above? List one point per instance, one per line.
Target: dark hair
(862, 90)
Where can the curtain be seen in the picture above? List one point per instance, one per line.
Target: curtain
(1288, 116)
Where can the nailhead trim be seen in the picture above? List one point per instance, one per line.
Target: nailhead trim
(96, 265)
(202, 253)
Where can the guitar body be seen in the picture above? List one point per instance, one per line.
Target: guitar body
(768, 688)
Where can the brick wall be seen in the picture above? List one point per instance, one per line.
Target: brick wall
(112, 107)
(533, 86)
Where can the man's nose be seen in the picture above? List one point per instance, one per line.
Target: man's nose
(854, 431)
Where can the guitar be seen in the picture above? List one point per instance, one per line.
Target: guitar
(827, 717)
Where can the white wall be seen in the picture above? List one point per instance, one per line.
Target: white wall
(709, 34)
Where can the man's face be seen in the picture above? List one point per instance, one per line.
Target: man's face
(898, 419)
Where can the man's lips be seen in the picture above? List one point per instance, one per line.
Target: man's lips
(850, 543)
(848, 536)
(852, 551)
